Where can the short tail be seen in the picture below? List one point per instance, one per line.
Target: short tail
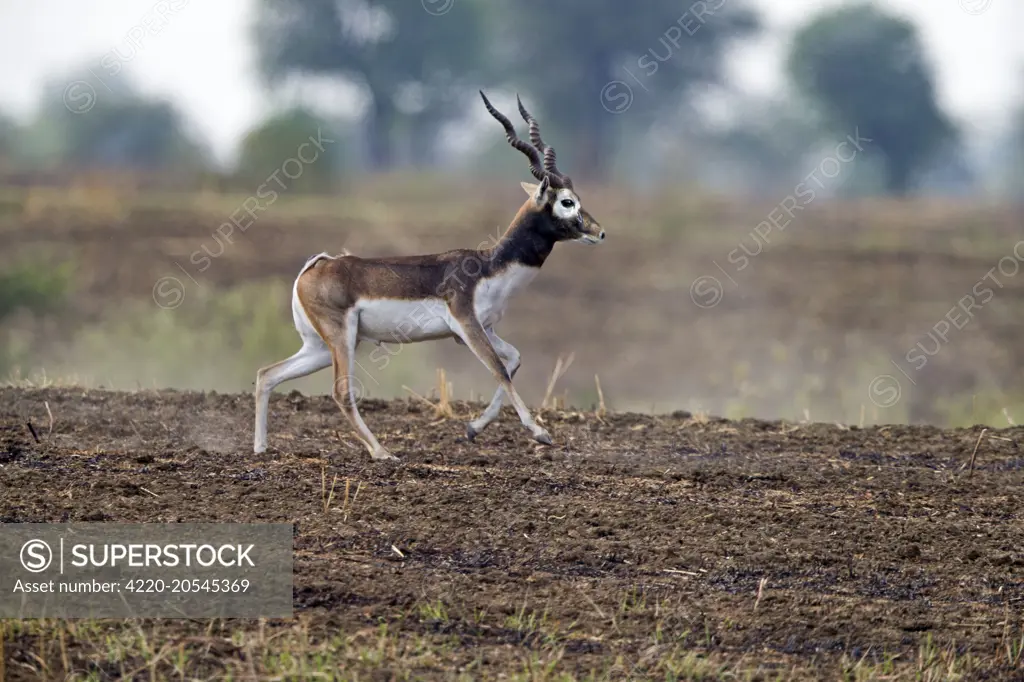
(313, 261)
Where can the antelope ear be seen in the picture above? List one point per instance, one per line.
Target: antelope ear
(537, 191)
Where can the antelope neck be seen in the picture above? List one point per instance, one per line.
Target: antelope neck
(523, 244)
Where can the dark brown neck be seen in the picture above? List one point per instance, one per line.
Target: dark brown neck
(525, 242)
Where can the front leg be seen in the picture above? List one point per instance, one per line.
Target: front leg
(467, 327)
(510, 356)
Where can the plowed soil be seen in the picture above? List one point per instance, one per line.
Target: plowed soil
(635, 547)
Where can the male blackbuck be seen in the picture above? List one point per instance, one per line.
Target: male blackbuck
(339, 301)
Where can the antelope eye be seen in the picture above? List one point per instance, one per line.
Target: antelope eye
(567, 203)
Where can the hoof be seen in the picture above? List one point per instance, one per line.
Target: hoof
(259, 449)
(543, 436)
(470, 432)
(383, 455)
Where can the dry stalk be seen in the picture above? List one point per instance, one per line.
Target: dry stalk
(678, 572)
(1006, 624)
(1006, 414)
(970, 472)
(344, 501)
(760, 592)
(65, 661)
(596, 607)
(348, 509)
(251, 659)
(602, 409)
(324, 494)
(50, 415)
(561, 365)
(419, 397)
(443, 408)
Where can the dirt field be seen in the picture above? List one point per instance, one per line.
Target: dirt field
(637, 547)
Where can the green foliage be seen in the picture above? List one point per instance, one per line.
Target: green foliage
(990, 408)
(109, 124)
(214, 337)
(33, 287)
(29, 287)
(265, 148)
(866, 70)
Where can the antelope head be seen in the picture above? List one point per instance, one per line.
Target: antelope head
(553, 200)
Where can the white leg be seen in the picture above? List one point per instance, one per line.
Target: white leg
(510, 356)
(478, 341)
(310, 358)
(377, 451)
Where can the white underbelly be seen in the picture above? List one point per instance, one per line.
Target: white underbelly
(398, 321)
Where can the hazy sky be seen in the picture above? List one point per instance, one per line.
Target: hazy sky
(199, 53)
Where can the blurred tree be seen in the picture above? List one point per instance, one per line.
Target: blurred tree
(110, 124)
(1015, 152)
(866, 70)
(588, 60)
(8, 139)
(135, 133)
(762, 151)
(270, 143)
(414, 59)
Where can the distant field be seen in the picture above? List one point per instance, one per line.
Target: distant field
(815, 316)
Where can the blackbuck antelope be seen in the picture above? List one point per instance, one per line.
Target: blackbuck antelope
(339, 301)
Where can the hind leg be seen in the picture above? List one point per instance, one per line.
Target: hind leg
(343, 336)
(310, 358)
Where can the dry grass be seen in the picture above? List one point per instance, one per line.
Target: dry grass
(443, 407)
(561, 367)
(95, 650)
